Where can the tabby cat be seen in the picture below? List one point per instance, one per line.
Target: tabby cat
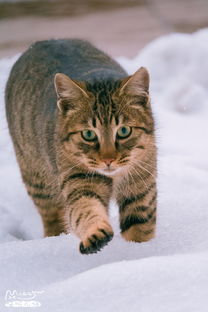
(83, 132)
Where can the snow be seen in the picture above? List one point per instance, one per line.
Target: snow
(169, 273)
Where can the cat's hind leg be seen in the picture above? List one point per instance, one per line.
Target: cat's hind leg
(48, 204)
(52, 218)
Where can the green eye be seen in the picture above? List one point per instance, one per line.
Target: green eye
(89, 135)
(123, 132)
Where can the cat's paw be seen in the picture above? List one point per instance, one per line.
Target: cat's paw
(136, 234)
(96, 240)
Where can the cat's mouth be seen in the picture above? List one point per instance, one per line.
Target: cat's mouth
(109, 171)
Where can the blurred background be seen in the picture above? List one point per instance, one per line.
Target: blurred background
(120, 27)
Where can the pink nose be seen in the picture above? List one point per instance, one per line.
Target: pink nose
(108, 161)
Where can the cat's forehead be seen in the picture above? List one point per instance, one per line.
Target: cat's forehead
(105, 123)
(104, 107)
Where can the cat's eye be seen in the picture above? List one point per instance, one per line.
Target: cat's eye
(123, 132)
(89, 135)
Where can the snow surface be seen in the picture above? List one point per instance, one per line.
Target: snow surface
(169, 273)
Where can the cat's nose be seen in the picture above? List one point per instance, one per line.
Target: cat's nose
(108, 161)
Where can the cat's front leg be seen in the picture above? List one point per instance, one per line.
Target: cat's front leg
(89, 220)
(137, 207)
(86, 210)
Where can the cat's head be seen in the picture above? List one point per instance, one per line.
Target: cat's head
(105, 126)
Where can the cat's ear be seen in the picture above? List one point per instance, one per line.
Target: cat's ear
(68, 92)
(137, 84)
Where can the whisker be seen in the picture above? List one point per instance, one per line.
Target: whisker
(140, 176)
(145, 163)
(143, 168)
(147, 171)
(153, 167)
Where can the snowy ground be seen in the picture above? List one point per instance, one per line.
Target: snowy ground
(169, 273)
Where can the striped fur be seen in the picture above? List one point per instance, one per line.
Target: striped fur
(69, 178)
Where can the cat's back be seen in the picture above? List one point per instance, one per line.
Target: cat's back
(31, 78)
(74, 57)
(30, 94)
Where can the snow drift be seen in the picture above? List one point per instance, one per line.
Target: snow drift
(169, 273)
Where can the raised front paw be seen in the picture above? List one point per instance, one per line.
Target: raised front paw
(97, 238)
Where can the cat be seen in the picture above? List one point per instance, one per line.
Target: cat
(83, 132)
